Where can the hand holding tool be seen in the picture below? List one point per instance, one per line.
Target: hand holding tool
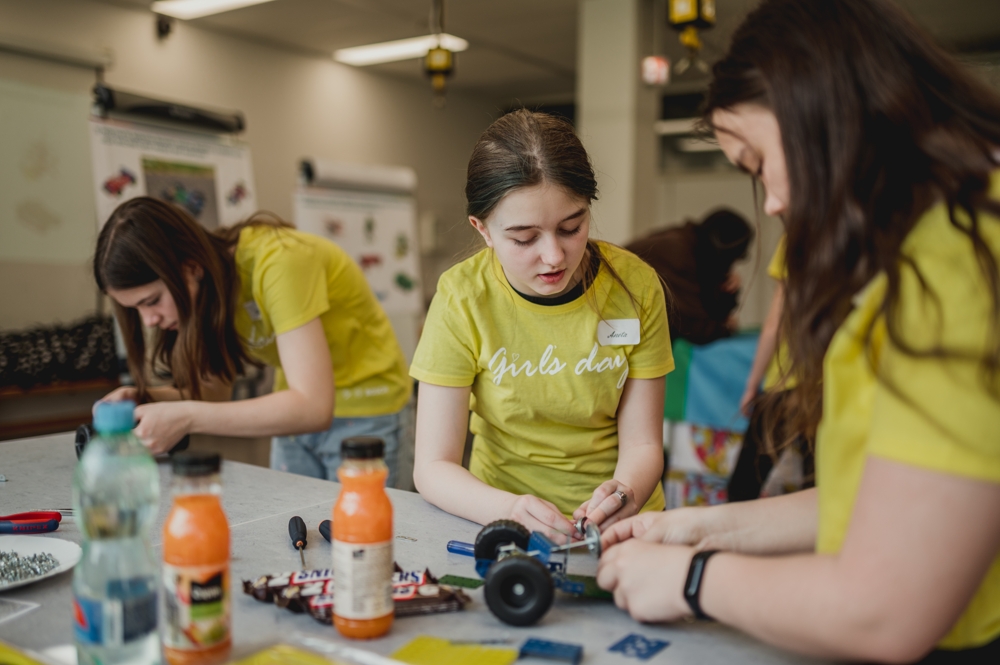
(297, 531)
(39, 521)
(85, 432)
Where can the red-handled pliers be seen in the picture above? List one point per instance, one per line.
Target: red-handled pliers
(40, 521)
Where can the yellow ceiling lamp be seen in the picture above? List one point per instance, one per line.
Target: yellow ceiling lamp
(688, 17)
(439, 63)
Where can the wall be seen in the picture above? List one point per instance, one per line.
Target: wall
(295, 104)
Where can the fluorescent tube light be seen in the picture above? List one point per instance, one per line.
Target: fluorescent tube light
(401, 49)
(189, 9)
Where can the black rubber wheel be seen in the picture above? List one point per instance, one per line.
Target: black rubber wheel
(519, 590)
(499, 533)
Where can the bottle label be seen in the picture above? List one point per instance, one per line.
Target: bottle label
(362, 579)
(196, 606)
(127, 614)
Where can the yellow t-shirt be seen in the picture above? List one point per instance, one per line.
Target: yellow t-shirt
(546, 380)
(780, 361)
(777, 268)
(287, 279)
(941, 416)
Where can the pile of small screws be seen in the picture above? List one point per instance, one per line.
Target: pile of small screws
(16, 568)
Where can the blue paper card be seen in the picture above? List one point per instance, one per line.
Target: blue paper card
(571, 653)
(637, 646)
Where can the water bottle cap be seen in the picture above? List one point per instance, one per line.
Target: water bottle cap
(110, 417)
(196, 464)
(362, 447)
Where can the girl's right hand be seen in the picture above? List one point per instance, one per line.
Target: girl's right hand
(541, 515)
(120, 394)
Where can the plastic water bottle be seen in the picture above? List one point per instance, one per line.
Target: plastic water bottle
(115, 496)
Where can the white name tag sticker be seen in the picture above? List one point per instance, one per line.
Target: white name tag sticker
(618, 332)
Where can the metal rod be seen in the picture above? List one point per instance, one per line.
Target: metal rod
(437, 17)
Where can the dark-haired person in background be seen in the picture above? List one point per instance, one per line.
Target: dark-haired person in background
(560, 342)
(879, 152)
(257, 291)
(695, 261)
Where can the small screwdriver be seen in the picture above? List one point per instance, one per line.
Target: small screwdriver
(324, 529)
(297, 531)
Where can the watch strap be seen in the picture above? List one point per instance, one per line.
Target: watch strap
(692, 585)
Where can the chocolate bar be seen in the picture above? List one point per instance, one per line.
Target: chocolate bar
(311, 591)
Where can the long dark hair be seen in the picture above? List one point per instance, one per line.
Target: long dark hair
(878, 124)
(525, 148)
(145, 240)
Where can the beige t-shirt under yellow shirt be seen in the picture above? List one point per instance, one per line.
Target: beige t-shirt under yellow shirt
(546, 380)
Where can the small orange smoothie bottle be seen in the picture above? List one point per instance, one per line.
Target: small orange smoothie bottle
(196, 614)
(362, 542)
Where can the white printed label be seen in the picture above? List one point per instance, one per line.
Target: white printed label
(253, 311)
(362, 578)
(618, 332)
(196, 606)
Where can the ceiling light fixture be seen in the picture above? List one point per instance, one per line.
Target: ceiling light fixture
(189, 9)
(401, 49)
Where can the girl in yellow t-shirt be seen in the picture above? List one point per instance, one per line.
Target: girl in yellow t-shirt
(557, 343)
(259, 291)
(880, 153)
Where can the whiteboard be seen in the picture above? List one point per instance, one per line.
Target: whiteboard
(378, 230)
(46, 206)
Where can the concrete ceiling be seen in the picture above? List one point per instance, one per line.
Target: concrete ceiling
(524, 49)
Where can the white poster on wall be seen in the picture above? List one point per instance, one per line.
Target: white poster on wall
(378, 229)
(208, 175)
(45, 203)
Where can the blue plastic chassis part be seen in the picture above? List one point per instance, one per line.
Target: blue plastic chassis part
(540, 547)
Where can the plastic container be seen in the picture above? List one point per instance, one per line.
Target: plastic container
(362, 542)
(116, 490)
(197, 627)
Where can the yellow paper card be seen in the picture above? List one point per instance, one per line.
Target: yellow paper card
(426, 650)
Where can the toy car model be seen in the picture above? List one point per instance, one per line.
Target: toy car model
(116, 183)
(523, 569)
(190, 199)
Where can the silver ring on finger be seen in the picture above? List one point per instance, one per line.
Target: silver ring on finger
(622, 496)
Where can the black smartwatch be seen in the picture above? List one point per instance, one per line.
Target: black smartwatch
(692, 585)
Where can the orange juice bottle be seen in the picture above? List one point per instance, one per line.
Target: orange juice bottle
(196, 565)
(362, 542)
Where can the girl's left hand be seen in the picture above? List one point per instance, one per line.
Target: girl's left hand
(647, 579)
(606, 507)
(162, 424)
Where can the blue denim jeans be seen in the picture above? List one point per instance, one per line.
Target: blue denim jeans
(318, 454)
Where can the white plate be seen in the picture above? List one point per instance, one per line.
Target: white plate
(66, 552)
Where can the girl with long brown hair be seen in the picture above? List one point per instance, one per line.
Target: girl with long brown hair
(259, 292)
(880, 154)
(557, 343)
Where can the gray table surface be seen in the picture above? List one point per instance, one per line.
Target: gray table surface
(259, 503)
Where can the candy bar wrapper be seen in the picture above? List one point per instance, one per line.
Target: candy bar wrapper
(311, 591)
